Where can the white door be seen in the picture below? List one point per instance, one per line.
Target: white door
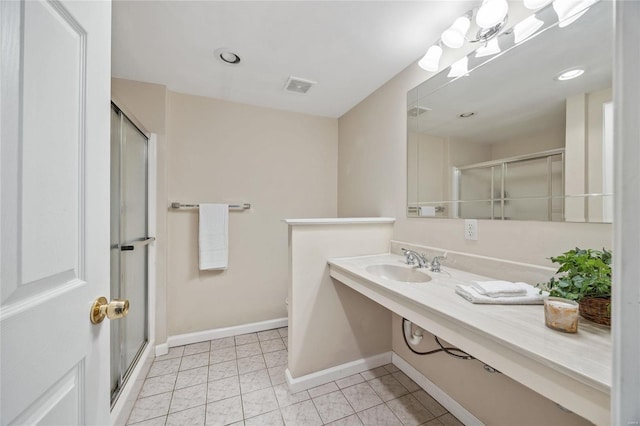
(55, 91)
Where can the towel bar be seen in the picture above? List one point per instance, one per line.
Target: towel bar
(175, 205)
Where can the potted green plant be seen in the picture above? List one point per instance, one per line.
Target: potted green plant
(584, 275)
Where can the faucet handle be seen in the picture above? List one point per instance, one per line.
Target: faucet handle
(436, 258)
(435, 263)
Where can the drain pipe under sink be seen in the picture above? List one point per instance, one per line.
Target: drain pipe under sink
(412, 337)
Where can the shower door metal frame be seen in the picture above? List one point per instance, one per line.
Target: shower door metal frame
(145, 242)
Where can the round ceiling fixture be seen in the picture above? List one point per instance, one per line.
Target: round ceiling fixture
(569, 74)
(227, 56)
(467, 114)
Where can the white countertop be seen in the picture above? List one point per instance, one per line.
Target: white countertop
(584, 356)
(340, 221)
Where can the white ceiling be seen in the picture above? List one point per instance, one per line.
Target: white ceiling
(350, 48)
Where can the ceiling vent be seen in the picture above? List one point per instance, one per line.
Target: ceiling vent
(298, 85)
(416, 111)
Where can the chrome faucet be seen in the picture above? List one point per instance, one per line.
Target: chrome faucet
(413, 257)
(435, 263)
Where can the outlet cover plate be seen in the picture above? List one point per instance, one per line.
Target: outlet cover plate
(471, 229)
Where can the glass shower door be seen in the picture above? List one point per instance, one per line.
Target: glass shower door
(129, 244)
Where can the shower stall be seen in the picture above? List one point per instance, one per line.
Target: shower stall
(129, 244)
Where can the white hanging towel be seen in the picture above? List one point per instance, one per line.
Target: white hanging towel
(213, 241)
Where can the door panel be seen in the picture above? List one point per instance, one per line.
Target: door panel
(59, 405)
(55, 183)
(53, 104)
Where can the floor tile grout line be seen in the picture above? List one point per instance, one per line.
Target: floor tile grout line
(241, 397)
(348, 402)
(316, 407)
(385, 402)
(145, 420)
(393, 412)
(206, 395)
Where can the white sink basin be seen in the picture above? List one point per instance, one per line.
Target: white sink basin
(398, 273)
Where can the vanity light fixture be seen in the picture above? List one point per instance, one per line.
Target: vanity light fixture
(524, 29)
(536, 4)
(491, 19)
(570, 10)
(454, 36)
(431, 59)
(491, 48)
(459, 68)
(570, 74)
(491, 13)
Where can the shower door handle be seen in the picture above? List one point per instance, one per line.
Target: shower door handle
(131, 245)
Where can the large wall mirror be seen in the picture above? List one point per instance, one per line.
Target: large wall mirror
(512, 139)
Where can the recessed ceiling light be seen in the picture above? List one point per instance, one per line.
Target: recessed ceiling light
(467, 114)
(568, 75)
(227, 56)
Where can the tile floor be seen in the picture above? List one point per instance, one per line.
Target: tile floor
(240, 381)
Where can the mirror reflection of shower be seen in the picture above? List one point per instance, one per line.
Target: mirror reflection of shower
(516, 138)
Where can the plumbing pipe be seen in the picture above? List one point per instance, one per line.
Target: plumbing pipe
(416, 336)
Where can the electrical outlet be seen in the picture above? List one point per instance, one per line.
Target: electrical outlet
(471, 229)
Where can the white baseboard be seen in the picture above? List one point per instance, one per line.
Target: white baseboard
(436, 392)
(162, 349)
(335, 373)
(123, 406)
(218, 333)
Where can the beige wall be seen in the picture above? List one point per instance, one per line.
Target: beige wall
(329, 323)
(544, 140)
(283, 163)
(209, 150)
(584, 154)
(148, 102)
(372, 182)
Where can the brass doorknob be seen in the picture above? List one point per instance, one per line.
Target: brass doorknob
(113, 310)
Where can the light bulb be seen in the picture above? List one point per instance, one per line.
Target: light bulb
(525, 28)
(431, 60)
(570, 10)
(491, 13)
(459, 68)
(454, 35)
(536, 4)
(491, 48)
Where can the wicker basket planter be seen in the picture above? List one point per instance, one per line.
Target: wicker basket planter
(596, 309)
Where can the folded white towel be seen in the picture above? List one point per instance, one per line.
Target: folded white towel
(500, 288)
(532, 297)
(213, 239)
